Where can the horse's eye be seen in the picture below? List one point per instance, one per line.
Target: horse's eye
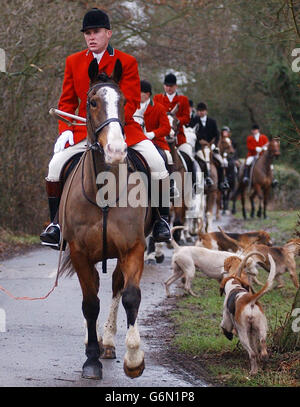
(93, 103)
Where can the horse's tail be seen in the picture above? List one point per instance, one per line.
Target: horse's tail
(173, 242)
(66, 266)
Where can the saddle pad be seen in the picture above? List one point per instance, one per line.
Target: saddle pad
(73, 161)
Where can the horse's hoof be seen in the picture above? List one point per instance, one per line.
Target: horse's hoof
(160, 259)
(169, 245)
(150, 262)
(92, 370)
(108, 352)
(134, 372)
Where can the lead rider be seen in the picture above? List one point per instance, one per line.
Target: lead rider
(72, 140)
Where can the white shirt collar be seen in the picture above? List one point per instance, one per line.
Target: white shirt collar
(171, 97)
(98, 56)
(257, 136)
(203, 120)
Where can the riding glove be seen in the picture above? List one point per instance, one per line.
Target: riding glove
(65, 137)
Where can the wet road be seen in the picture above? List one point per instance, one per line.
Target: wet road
(44, 340)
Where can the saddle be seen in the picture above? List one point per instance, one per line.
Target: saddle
(188, 163)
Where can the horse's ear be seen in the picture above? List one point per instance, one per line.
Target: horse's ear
(93, 70)
(118, 70)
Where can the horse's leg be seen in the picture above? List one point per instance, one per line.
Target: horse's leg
(89, 282)
(110, 327)
(266, 198)
(150, 259)
(177, 222)
(243, 203)
(219, 204)
(132, 268)
(260, 195)
(252, 196)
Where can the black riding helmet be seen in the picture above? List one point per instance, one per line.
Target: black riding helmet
(95, 18)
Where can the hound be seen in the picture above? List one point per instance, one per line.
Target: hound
(244, 316)
(216, 241)
(186, 259)
(284, 257)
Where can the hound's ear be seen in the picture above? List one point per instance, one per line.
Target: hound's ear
(118, 70)
(221, 291)
(93, 70)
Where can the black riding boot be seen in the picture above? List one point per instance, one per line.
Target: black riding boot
(161, 229)
(51, 235)
(208, 180)
(246, 175)
(174, 193)
(197, 187)
(222, 180)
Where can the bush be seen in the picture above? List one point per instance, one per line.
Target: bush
(287, 194)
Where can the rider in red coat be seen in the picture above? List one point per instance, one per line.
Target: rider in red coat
(257, 143)
(170, 99)
(73, 139)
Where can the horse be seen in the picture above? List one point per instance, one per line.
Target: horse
(227, 152)
(261, 180)
(182, 165)
(94, 233)
(205, 154)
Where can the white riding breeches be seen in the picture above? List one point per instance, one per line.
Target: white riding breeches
(153, 158)
(250, 159)
(169, 157)
(59, 159)
(186, 148)
(145, 147)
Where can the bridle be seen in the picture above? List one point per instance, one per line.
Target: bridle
(97, 130)
(96, 146)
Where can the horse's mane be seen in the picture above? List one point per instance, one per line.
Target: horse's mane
(103, 77)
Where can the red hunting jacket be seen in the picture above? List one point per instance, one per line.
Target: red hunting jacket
(76, 84)
(252, 144)
(156, 120)
(183, 113)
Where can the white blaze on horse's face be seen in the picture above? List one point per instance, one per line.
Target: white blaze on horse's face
(115, 149)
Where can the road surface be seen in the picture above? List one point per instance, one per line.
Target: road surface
(44, 340)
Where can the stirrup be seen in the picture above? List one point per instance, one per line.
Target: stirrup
(55, 245)
(209, 182)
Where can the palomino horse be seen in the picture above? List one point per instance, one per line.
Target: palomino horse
(261, 180)
(227, 152)
(83, 227)
(210, 192)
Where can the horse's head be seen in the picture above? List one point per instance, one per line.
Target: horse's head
(105, 113)
(274, 147)
(174, 123)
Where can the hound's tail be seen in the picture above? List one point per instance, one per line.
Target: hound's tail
(269, 283)
(173, 242)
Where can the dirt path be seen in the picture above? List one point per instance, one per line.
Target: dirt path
(44, 340)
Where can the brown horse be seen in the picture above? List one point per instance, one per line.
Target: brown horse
(179, 212)
(83, 228)
(205, 154)
(227, 152)
(261, 181)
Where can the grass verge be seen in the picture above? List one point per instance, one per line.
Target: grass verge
(13, 243)
(197, 322)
